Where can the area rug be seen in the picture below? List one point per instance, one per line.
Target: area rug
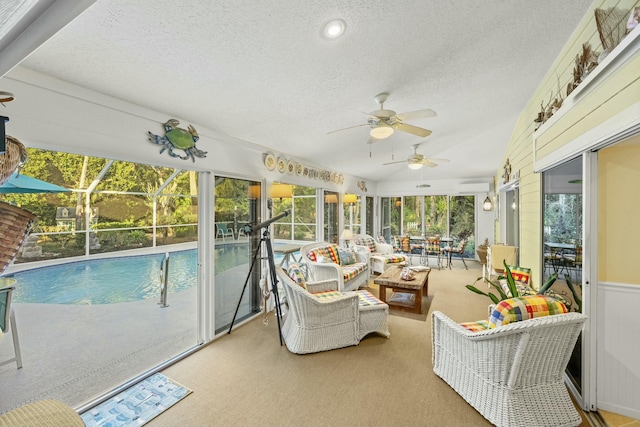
(138, 404)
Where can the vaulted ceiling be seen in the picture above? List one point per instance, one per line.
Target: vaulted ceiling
(263, 72)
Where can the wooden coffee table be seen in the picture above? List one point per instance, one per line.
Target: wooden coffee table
(407, 294)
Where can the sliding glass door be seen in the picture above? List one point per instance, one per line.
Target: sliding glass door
(562, 211)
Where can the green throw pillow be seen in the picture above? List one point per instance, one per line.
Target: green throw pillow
(347, 257)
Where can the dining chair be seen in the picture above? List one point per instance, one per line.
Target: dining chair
(8, 321)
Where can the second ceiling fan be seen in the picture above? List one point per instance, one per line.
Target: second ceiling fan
(383, 122)
(416, 161)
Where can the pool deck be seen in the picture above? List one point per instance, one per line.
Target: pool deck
(76, 353)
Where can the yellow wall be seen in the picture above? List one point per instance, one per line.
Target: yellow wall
(615, 93)
(618, 209)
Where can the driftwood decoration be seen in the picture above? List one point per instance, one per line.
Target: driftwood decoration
(612, 26)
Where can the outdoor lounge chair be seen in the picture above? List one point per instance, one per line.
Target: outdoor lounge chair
(223, 231)
(8, 317)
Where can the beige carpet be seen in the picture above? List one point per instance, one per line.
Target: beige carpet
(247, 379)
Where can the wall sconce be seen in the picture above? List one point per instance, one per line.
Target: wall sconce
(331, 198)
(346, 236)
(350, 198)
(487, 205)
(281, 191)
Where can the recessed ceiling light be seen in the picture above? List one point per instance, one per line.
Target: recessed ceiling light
(334, 29)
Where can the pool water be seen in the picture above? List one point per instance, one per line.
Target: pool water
(121, 279)
(106, 280)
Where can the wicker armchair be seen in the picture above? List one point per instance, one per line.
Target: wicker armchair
(350, 277)
(381, 255)
(512, 374)
(321, 318)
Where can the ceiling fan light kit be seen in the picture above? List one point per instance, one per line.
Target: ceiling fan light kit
(382, 131)
(415, 166)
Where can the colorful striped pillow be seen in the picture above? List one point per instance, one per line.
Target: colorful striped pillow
(329, 251)
(520, 274)
(366, 241)
(297, 275)
(524, 308)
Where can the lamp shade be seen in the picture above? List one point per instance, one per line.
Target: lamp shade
(280, 191)
(487, 205)
(350, 198)
(254, 191)
(331, 198)
(381, 131)
(346, 234)
(415, 166)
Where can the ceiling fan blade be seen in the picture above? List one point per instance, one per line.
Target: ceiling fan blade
(433, 159)
(427, 162)
(393, 163)
(414, 130)
(419, 114)
(350, 127)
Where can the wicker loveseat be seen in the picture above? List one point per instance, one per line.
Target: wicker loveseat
(381, 255)
(511, 373)
(320, 318)
(324, 263)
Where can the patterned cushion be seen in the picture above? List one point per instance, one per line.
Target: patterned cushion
(329, 251)
(523, 308)
(366, 241)
(382, 240)
(365, 298)
(351, 271)
(296, 274)
(520, 274)
(347, 257)
(392, 258)
(477, 326)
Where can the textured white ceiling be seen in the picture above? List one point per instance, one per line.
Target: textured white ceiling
(261, 72)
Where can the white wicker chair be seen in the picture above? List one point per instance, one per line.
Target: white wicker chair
(512, 374)
(319, 271)
(314, 324)
(381, 255)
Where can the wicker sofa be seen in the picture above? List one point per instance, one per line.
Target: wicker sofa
(320, 318)
(511, 373)
(324, 263)
(381, 255)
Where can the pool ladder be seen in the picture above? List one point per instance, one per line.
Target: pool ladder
(164, 280)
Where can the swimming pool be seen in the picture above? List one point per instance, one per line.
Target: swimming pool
(120, 279)
(106, 280)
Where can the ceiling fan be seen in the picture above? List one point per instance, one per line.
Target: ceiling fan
(383, 122)
(416, 161)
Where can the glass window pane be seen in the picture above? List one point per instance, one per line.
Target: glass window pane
(412, 212)
(435, 216)
(462, 222)
(331, 231)
(237, 203)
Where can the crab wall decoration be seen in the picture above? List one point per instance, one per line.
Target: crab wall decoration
(176, 138)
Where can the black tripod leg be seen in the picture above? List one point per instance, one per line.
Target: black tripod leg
(274, 281)
(253, 262)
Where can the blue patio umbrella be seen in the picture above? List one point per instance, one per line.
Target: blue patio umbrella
(19, 183)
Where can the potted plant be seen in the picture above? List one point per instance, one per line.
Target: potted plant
(511, 285)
